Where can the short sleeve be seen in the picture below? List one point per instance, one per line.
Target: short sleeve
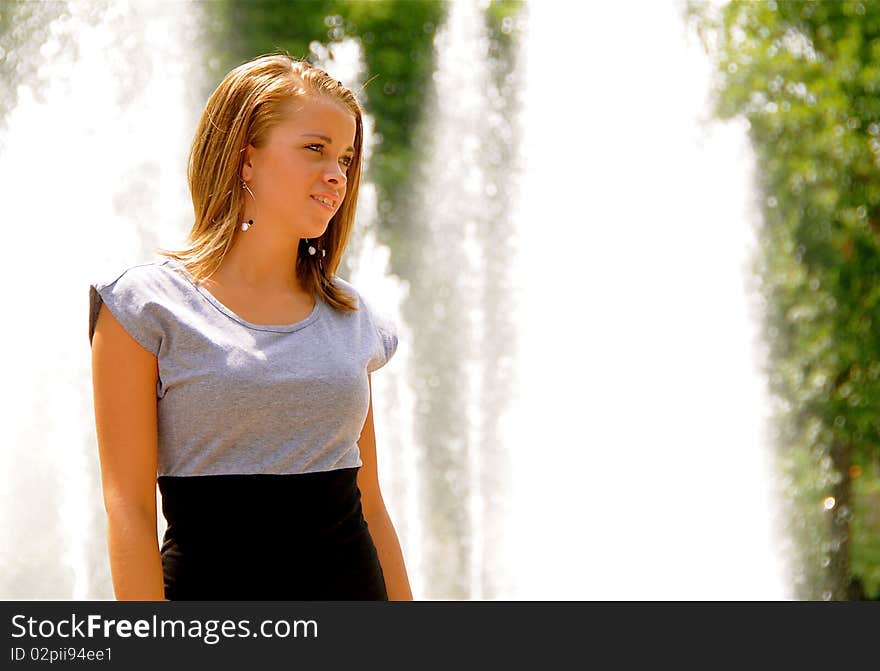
(130, 300)
(387, 330)
(386, 334)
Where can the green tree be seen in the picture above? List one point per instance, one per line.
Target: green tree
(806, 76)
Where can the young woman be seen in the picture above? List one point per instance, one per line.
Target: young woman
(236, 372)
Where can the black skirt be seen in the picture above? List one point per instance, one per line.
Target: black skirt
(268, 538)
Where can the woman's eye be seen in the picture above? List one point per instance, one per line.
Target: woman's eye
(347, 161)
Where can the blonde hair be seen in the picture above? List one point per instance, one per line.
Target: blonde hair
(250, 100)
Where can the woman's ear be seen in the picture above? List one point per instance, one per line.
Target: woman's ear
(247, 164)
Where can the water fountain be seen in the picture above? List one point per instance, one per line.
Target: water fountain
(642, 458)
(460, 305)
(101, 102)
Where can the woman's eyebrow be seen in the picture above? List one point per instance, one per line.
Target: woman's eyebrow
(325, 138)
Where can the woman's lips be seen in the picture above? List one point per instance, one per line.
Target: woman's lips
(329, 208)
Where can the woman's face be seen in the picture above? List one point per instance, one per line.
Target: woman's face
(305, 157)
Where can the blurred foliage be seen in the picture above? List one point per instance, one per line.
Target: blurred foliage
(24, 28)
(397, 39)
(806, 77)
(866, 534)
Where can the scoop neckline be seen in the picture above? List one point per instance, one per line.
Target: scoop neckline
(279, 328)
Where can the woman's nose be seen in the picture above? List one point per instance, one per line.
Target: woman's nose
(335, 175)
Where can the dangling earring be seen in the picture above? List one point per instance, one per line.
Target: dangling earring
(313, 251)
(250, 222)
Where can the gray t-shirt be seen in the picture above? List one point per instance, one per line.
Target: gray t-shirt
(241, 398)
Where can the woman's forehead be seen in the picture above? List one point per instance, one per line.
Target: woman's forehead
(320, 117)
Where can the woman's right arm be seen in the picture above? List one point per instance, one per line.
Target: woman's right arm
(124, 379)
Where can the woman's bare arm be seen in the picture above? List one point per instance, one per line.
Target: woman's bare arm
(124, 379)
(376, 514)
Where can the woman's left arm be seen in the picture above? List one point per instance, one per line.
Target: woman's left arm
(381, 529)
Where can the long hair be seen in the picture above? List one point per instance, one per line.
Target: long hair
(250, 100)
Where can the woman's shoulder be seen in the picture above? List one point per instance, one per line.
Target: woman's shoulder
(151, 273)
(375, 314)
(134, 294)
